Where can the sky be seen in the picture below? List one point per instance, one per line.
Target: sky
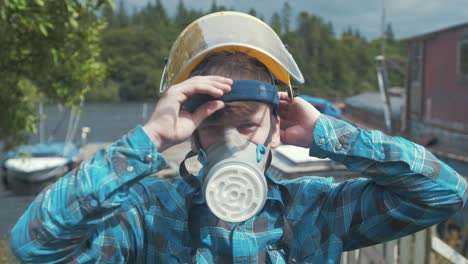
(408, 17)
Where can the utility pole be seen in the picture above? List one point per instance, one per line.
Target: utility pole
(383, 33)
(382, 76)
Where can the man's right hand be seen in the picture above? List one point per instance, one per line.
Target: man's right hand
(169, 124)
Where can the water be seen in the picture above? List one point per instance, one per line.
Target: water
(108, 121)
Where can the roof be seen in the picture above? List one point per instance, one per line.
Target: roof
(372, 103)
(435, 32)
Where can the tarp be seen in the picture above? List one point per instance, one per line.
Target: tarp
(54, 149)
(324, 106)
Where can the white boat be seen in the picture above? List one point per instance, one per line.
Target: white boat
(33, 167)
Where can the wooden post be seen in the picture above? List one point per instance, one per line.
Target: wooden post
(420, 251)
(391, 252)
(405, 249)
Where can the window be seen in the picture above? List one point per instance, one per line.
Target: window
(462, 57)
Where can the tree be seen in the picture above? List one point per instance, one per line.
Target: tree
(214, 6)
(276, 23)
(389, 33)
(48, 49)
(286, 17)
(122, 17)
(253, 12)
(181, 18)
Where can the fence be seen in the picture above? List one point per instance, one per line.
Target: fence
(419, 248)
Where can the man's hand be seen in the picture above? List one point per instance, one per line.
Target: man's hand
(298, 120)
(169, 124)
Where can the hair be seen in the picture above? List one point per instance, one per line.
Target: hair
(237, 66)
(234, 65)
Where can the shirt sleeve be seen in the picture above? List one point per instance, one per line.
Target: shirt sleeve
(407, 188)
(63, 216)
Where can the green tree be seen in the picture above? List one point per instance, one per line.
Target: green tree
(253, 12)
(286, 18)
(48, 49)
(122, 15)
(389, 35)
(276, 23)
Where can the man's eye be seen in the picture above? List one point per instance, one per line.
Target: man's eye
(251, 127)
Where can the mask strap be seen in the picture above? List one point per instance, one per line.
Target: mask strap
(185, 174)
(261, 152)
(272, 127)
(195, 184)
(196, 139)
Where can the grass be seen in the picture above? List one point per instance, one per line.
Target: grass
(5, 253)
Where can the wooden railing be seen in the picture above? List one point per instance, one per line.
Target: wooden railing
(420, 248)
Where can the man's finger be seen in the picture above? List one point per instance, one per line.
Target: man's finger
(284, 96)
(212, 78)
(205, 110)
(286, 123)
(215, 89)
(282, 136)
(220, 79)
(284, 106)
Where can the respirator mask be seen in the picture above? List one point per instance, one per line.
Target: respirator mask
(232, 179)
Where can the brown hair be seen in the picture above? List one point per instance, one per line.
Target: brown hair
(237, 66)
(234, 65)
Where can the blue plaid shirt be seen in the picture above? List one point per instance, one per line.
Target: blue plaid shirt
(107, 211)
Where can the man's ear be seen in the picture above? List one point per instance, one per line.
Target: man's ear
(275, 138)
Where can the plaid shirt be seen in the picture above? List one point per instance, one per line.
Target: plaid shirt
(107, 211)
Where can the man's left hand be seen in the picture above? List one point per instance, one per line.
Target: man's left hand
(298, 119)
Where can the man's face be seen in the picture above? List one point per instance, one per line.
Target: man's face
(254, 126)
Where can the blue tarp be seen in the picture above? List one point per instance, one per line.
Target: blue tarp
(324, 106)
(56, 149)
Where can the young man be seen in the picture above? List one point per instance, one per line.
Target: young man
(233, 211)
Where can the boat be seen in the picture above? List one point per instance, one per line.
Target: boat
(32, 167)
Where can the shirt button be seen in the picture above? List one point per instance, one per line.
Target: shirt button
(148, 158)
(338, 146)
(130, 168)
(93, 203)
(321, 140)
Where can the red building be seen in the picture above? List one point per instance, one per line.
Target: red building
(437, 88)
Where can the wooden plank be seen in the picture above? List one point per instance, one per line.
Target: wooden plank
(419, 254)
(363, 259)
(447, 252)
(379, 248)
(353, 257)
(372, 255)
(344, 258)
(391, 252)
(405, 249)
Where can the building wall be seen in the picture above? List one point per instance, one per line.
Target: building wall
(450, 141)
(445, 98)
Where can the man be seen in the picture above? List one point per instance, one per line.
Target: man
(233, 211)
